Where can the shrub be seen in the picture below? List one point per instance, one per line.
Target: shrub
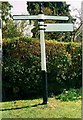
(22, 67)
(75, 69)
(70, 95)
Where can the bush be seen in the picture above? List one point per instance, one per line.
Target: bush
(64, 63)
(22, 67)
(70, 95)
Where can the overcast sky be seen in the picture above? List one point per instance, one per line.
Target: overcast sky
(20, 7)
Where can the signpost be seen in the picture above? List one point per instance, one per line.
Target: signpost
(41, 17)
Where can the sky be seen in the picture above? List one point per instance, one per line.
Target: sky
(20, 7)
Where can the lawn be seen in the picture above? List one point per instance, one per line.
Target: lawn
(34, 109)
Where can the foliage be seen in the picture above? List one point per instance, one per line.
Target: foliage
(10, 30)
(22, 67)
(51, 8)
(77, 33)
(70, 95)
(56, 8)
(6, 10)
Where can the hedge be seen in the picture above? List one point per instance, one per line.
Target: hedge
(22, 67)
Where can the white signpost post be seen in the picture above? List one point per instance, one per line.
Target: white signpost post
(49, 28)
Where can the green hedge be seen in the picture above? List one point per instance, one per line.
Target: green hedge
(22, 67)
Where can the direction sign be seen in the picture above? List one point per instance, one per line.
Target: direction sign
(59, 27)
(55, 17)
(39, 17)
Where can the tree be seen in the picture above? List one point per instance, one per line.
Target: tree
(51, 8)
(6, 10)
(77, 33)
(9, 29)
(24, 27)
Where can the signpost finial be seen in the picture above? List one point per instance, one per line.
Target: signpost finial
(40, 11)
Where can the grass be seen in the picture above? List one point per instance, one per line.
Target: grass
(32, 109)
